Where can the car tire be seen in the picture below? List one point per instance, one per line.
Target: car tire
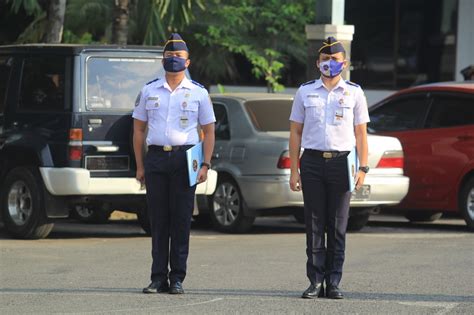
(22, 204)
(144, 220)
(423, 216)
(227, 208)
(87, 215)
(357, 221)
(466, 203)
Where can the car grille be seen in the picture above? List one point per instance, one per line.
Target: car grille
(107, 163)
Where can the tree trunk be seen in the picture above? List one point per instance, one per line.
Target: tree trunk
(55, 23)
(120, 23)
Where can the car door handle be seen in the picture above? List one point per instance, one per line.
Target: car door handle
(465, 138)
(95, 121)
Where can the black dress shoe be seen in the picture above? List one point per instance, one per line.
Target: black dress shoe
(176, 288)
(157, 287)
(314, 291)
(333, 292)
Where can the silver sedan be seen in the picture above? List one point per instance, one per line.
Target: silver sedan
(252, 160)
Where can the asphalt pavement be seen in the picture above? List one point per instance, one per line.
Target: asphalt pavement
(392, 267)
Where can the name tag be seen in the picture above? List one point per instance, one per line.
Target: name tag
(183, 121)
(312, 96)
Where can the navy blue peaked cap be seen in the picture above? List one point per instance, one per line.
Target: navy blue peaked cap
(175, 42)
(331, 46)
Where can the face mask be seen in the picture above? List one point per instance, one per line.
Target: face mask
(330, 68)
(174, 64)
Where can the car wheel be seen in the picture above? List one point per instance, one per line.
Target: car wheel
(227, 208)
(423, 216)
(357, 222)
(144, 220)
(466, 203)
(22, 204)
(88, 215)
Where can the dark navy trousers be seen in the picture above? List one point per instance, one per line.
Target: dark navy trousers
(170, 202)
(326, 198)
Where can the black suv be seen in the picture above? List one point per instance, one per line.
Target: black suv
(65, 131)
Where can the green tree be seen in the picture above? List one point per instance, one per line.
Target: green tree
(268, 33)
(48, 22)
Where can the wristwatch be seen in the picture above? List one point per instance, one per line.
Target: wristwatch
(364, 169)
(206, 165)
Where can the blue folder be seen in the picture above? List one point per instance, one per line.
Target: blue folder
(194, 157)
(352, 168)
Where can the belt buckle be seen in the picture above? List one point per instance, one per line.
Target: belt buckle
(167, 148)
(327, 155)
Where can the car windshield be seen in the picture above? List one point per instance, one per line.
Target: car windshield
(113, 82)
(270, 115)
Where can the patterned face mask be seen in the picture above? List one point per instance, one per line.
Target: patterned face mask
(331, 68)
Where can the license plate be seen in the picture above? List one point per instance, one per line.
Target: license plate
(362, 194)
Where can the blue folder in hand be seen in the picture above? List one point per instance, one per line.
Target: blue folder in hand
(194, 157)
(352, 168)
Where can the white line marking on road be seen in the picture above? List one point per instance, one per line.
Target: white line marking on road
(446, 307)
(150, 308)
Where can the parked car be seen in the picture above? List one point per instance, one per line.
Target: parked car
(435, 124)
(252, 159)
(65, 132)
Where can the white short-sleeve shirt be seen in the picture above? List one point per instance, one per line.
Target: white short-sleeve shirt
(173, 116)
(329, 117)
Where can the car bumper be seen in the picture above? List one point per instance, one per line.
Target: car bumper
(262, 192)
(77, 181)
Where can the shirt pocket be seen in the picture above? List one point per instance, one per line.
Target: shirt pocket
(343, 111)
(152, 107)
(190, 110)
(314, 110)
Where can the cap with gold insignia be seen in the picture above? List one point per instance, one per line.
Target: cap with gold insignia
(175, 42)
(331, 46)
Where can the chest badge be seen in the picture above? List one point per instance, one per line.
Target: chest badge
(341, 101)
(184, 105)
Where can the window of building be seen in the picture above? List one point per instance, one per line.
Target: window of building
(414, 42)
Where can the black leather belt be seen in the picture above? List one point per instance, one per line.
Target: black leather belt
(327, 154)
(169, 148)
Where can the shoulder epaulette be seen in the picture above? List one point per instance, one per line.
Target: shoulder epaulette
(152, 81)
(352, 83)
(309, 82)
(198, 84)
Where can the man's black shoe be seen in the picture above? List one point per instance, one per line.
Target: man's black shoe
(333, 292)
(157, 287)
(314, 291)
(176, 288)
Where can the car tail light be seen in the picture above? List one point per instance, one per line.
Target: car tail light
(391, 159)
(75, 144)
(284, 160)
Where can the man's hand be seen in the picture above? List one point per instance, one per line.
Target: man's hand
(295, 181)
(202, 175)
(359, 179)
(140, 175)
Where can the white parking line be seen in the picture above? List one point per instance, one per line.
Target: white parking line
(446, 307)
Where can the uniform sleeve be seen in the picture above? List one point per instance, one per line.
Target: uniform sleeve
(361, 111)
(297, 110)
(140, 112)
(206, 110)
